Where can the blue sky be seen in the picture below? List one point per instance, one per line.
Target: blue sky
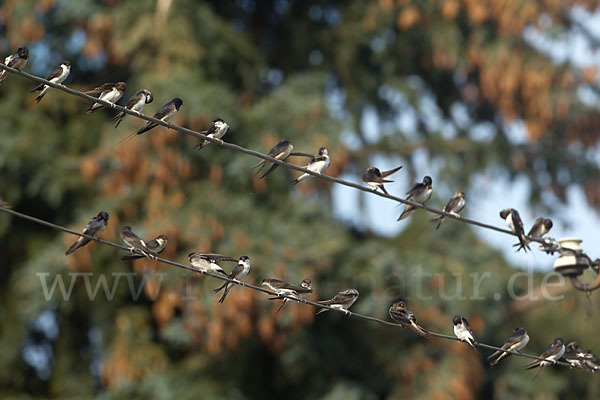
(491, 192)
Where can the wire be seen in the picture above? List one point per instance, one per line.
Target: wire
(260, 155)
(269, 292)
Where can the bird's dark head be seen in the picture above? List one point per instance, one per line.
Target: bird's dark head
(573, 346)
(178, 102)
(519, 330)
(373, 171)
(103, 215)
(459, 194)
(548, 223)
(214, 121)
(121, 86)
(23, 52)
(149, 96)
(126, 228)
(504, 213)
(323, 151)
(283, 144)
(427, 181)
(306, 283)
(457, 320)
(66, 64)
(265, 281)
(398, 305)
(558, 341)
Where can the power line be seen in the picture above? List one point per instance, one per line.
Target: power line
(260, 155)
(260, 289)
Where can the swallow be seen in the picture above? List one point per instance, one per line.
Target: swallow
(93, 228)
(157, 245)
(319, 163)
(341, 301)
(513, 220)
(4, 204)
(111, 92)
(16, 61)
(375, 178)
(57, 76)
(540, 227)
(516, 342)
(135, 103)
(591, 361)
(405, 318)
(284, 288)
(552, 354)
(281, 151)
(166, 112)
(420, 193)
(463, 330)
(455, 205)
(241, 270)
(575, 357)
(218, 128)
(207, 262)
(135, 243)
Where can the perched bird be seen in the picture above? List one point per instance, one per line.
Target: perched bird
(241, 270)
(513, 220)
(540, 227)
(157, 245)
(575, 357)
(420, 193)
(16, 61)
(218, 128)
(319, 163)
(553, 352)
(591, 361)
(57, 76)
(341, 301)
(135, 243)
(516, 342)
(463, 330)
(111, 92)
(375, 178)
(93, 228)
(454, 206)
(280, 151)
(207, 262)
(405, 318)
(135, 103)
(166, 112)
(284, 288)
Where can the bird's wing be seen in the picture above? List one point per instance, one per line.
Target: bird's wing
(217, 257)
(390, 172)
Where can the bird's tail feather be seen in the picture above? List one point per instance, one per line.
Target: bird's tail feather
(273, 167)
(283, 303)
(127, 139)
(118, 118)
(222, 299)
(217, 290)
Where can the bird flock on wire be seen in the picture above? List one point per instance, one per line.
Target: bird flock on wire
(319, 162)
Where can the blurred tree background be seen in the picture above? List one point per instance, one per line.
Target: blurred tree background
(312, 72)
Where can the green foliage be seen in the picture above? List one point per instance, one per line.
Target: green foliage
(251, 67)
